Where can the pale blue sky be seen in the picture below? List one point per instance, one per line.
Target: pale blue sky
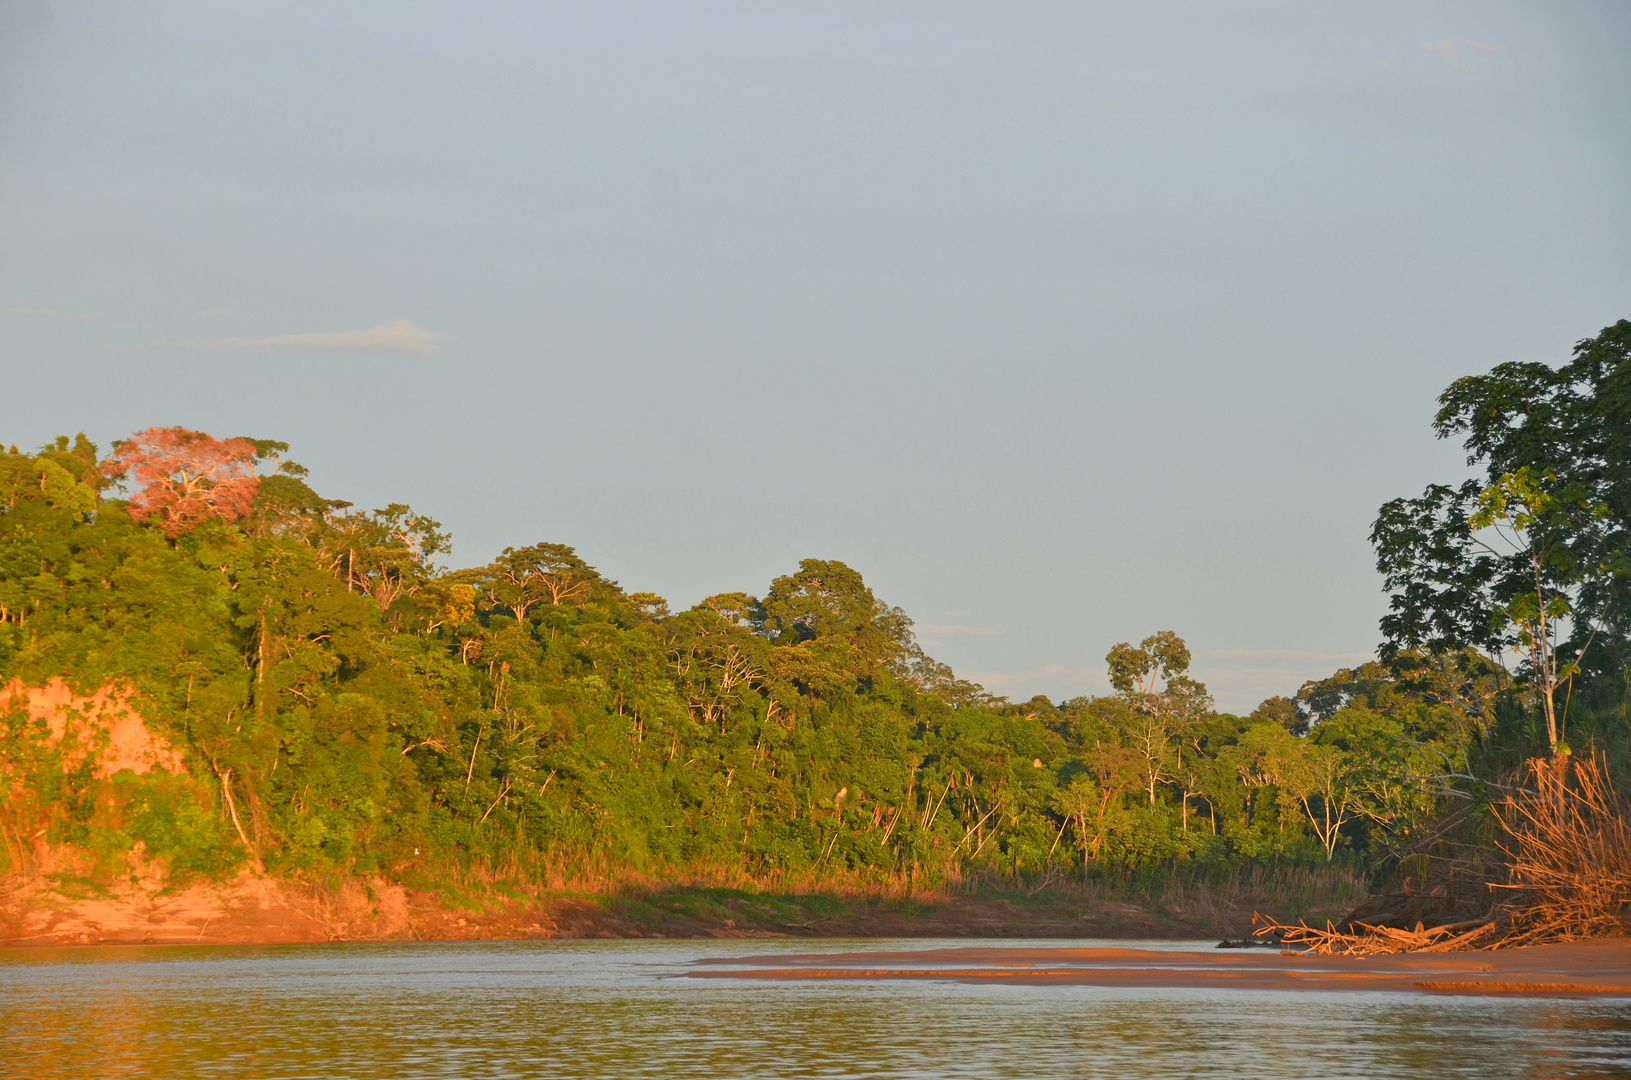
(1063, 323)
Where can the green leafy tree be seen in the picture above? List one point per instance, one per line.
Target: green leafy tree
(1320, 777)
(1555, 444)
(522, 578)
(1163, 700)
(826, 601)
(386, 554)
(346, 706)
(1518, 508)
(1287, 712)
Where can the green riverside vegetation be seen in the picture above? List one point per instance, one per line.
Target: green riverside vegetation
(346, 704)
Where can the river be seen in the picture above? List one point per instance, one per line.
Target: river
(624, 1009)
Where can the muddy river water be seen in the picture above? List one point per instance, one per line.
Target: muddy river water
(627, 1009)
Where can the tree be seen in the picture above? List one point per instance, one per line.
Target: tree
(184, 478)
(715, 663)
(1286, 712)
(385, 553)
(1265, 756)
(285, 505)
(736, 608)
(1153, 679)
(824, 600)
(1319, 777)
(938, 680)
(36, 491)
(1515, 509)
(62, 474)
(522, 578)
(344, 706)
(1392, 767)
(1091, 802)
(1571, 427)
(648, 605)
(56, 476)
(1538, 555)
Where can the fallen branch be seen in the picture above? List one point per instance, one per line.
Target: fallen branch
(1566, 869)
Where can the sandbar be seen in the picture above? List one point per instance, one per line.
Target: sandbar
(1598, 968)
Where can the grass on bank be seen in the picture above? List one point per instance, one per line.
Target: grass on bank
(1170, 901)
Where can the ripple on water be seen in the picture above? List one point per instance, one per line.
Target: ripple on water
(612, 1009)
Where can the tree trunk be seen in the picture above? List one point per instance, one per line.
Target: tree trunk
(260, 668)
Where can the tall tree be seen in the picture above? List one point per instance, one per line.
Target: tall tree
(1537, 556)
(824, 600)
(185, 477)
(1154, 680)
(522, 578)
(385, 553)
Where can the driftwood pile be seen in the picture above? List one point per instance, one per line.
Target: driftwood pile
(1368, 940)
(1564, 875)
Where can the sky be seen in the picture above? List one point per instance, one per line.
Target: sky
(1063, 323)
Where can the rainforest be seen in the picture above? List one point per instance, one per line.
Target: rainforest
(324, 694)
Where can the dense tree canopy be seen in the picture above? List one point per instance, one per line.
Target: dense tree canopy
(346, 702)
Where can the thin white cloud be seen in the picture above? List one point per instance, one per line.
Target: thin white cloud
(1444, 49)
(48, 313)
(1284, 681)
(1056, 680)
(1285, 654)
(1464, 54)
(399, 338)
(930, 630)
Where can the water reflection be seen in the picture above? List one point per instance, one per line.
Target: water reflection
(610, 1009)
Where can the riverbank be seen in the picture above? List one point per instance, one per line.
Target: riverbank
(254, 908)
(1598, 968)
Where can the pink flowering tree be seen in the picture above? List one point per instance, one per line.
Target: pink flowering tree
(184, 478)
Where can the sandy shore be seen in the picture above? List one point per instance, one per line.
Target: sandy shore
(1599, 968)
